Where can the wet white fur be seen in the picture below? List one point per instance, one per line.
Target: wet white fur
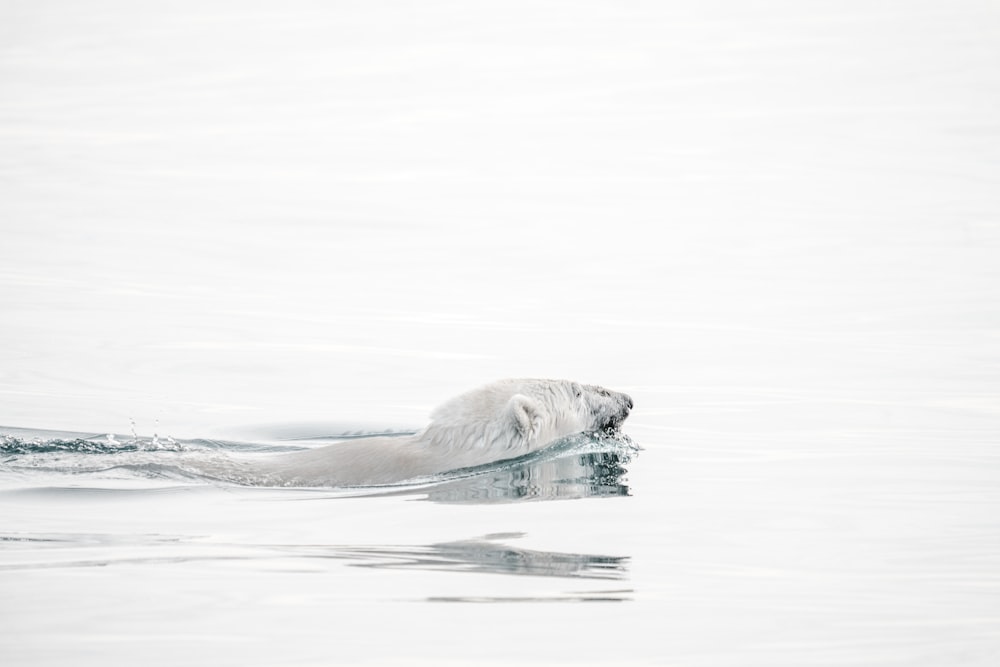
(502, 420)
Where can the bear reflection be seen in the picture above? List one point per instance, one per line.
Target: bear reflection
(580, 475)
(488, 554)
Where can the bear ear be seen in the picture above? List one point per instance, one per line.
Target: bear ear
(525, 415)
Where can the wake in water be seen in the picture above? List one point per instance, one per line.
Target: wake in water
(577, 466)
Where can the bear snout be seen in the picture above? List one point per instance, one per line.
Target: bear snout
(621, 412)
(626, 405)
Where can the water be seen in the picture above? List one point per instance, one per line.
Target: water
(249, 229)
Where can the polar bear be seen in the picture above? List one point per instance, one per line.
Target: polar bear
(502, 420)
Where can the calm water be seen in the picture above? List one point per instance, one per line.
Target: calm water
(230, 230)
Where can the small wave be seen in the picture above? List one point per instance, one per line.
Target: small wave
(578, 444)
(581, 465)
(109, 444)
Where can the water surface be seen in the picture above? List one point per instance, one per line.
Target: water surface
(232, 230)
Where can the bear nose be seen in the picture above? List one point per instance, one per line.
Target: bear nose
(628, 401)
